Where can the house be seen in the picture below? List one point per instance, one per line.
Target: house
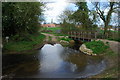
(48, 25)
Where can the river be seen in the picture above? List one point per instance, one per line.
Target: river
(52, 61)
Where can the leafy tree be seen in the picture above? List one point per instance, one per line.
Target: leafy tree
(65, 16)
(20, 18)
(66, 23)
(66, 27)
(81, 16)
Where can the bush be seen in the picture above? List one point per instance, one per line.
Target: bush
(96, 46)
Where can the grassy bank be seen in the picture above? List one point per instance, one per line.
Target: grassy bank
(97, 46)
(112, 66)
(24, 45)
(53, 30)
(110, 57)
(56, 34)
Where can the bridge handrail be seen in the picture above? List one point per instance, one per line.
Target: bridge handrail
(83, 33)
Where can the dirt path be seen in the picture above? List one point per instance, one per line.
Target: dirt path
(114, 45)
(53, 38)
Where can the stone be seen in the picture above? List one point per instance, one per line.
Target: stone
(62, 41)
(72, 41)
(85, 50)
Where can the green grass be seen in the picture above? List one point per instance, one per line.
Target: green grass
(113, 35)
(24, 45)
(60, 34)
(51, 28)
(96, 46)
(53, 31)
(50, 38)
(114, 39)
(56, 34)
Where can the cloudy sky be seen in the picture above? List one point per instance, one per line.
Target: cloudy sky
(55, 7)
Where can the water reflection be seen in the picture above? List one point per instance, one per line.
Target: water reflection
(55, 61)
(50, 58)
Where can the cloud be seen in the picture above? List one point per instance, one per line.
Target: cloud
(53, 10)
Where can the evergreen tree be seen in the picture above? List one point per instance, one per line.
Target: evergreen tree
(81, 16)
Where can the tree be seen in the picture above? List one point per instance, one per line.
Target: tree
(20, 18)
(66, 23)
(81, 16)
(112, 6)
(65, 16)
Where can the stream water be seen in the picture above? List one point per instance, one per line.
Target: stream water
(53, 61)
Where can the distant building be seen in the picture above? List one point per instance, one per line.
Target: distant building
(112, 28)
(48, 25)
(57, 25)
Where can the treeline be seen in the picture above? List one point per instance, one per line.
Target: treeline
(77, 20)
(84, 18)
(20, 19)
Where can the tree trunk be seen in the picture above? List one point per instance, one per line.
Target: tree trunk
(105, 28)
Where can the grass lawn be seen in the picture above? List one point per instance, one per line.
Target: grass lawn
(113, 35)
(51, 28)
(24, 45)
(53, 31)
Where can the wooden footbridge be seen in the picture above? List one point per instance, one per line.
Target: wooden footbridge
(83, 35)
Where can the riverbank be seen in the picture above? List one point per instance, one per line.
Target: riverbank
(111, 57)
(111, 70)
(17, 47)
(94, 47)
(52, 39)
(109, 50)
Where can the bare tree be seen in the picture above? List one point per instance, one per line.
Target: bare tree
(112, 6)
(65, 15)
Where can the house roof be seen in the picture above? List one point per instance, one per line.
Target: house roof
(48, 25)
